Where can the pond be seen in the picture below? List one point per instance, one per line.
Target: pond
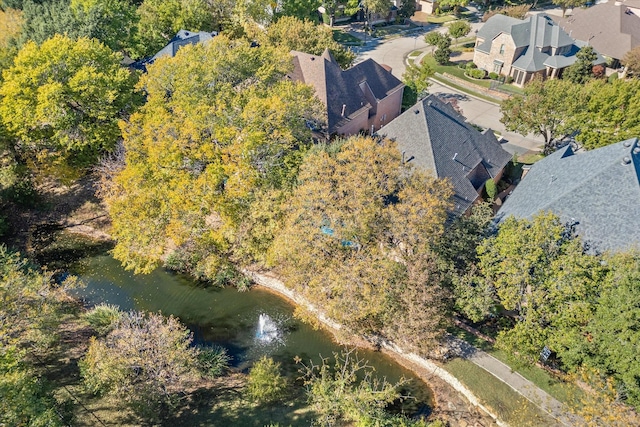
(249, 324)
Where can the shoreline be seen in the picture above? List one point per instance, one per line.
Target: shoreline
(442, 383)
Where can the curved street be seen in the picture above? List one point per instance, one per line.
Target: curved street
(394, 53)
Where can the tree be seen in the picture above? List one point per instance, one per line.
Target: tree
(266, 384)
(609, 113)
(519, 12)
(160, 20)
(566, 4)
(146, 360)
(407, 9)
(357, 240)
(26, 400)
(546, 109)
(113, 22)
(203, 150)
(453, 4)
(613, 330)
(290, 33)
(416, 79)
(582, 70)
(442, 54)
(301, 9)
(459, 29)
(349, 393)
(369, 7)
(631, 61)
(433, 38)
(539, 270)
(62, 100)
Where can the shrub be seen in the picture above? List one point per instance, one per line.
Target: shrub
(494, 76)
(471, 65)
(509, 80)
(147, 361)
(102, 318)
(491, 189)
(213, 360)
(476, 73)
(266, 384)
(613, 77)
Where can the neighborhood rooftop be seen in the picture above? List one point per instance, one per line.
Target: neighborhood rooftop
(597, 190)
(432, 136)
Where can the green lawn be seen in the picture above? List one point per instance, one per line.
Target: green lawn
(507, 404)
(440, 19)
(345, 38)
(563, 391)
(530, 158)
(454, 70)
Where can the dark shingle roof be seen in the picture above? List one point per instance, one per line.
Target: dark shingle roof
(183, 38)
(599, 189)
(340, 90)
(435, 138)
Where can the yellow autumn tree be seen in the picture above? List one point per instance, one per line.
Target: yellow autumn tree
(222, 129)
(357, 240)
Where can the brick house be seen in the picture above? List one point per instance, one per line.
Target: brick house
(363, 98)
(523, 49)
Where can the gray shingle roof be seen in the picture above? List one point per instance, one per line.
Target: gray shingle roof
(435, 138)
(183, 38)
(340, 90)
(598, 189)
(608, 27)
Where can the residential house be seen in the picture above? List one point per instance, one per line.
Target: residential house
(433, 137)
(597, 191)
(612, 28)
(523, 49)
(182, 38)
(363, 98)
(427, 6)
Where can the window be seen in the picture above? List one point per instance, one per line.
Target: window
(502, 49)
(497, 68)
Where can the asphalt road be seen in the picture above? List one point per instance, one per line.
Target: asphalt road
(394, 53)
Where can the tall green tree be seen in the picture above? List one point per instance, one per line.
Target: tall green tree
(613, 331)
(459, 29)
(221, 129)
(416, 79)
(546, 109)
(291, 33)
(61, 102)
(610, 113)
(582, 70)
(453, 4)
(113, 22)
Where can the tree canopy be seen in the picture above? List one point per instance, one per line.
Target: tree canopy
(582, 70)
(290, 33)
(221, 129)
(61, 102)
(358, 238)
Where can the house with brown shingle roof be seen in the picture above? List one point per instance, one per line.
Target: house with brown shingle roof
(363, 98)
(612, 28)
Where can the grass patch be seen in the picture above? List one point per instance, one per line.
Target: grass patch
(454, 70)
(515, 90)
(493, 393)
(440, 19)
(530, 158)
(465, 90)
(414, 54)
(345, 38)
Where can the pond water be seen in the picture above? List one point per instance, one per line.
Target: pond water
(249, 324)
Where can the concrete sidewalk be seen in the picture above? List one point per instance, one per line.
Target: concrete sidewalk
(520, 384)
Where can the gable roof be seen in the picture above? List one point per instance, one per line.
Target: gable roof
(340, 91)
(535, 34)
(432, 136)
(182, 38)
(611, 28)
(599, 190)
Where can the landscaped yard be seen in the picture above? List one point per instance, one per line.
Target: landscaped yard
(454, 70)
(345, 38)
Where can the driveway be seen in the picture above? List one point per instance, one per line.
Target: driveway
(394, 52)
